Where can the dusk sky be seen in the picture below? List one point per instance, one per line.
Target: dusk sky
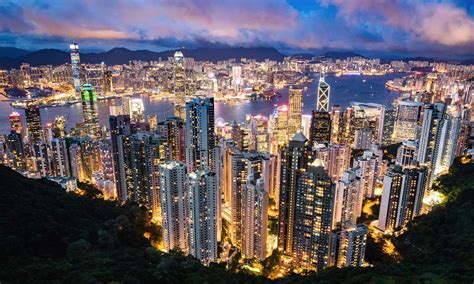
(378, 27)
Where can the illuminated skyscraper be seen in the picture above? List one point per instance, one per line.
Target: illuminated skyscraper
(295, 105)
(320, 131)
(152, 122)
(406, 153)
(76, 68)
(16, 123)
(33, 123)
(89, 111)
(408, 121)
(336, 123)
(60, 126)
(179, 85)
(137, 110)
(322, 100)
(335, 157)
(173, 205)
(203, 202)
(60, 158)
(120, 130)
(278, 128)
(174, 131)
(369, 115)
(348, 246)
(403, 191)
(292, 161)
(15, 148)
(349, 198)
(313, 217)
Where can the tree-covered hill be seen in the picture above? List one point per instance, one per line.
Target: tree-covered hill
(50, 236)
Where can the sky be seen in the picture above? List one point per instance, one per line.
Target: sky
(439, 28)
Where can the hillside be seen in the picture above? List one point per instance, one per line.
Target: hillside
(47, 235)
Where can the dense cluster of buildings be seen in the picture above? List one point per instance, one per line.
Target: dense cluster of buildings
(207, 183)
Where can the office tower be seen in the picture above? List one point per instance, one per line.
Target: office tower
(336, 124)
(293, 159)
(120, 130)
(238, 168)
(349, 198)
(403, 191)
(258, 128)
(40, 151)
(33, 123)
(60, 126)
(313, 217)
(60, 166)
(278, 129)
(147, 152)
(137, 110)
(16, 123)
(322, 100)
(236, 77)
(237, 135)
(336, 158)
(306, 124)
(406, 153)
(295, 105)
(89, 111)
(84, 158)
(179, 85)
(368, 115)
(173, 205)
(320, 131)
(362, 138)
(153, 122)
(107, 167)
(254, 218)
(388, 125)
(107, 80)
(173, 129)
(76, 68)
(202, 215)
(200, 136)
(14, 145)
(407, 122)
(348, 246)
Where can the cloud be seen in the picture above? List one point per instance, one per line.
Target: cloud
(374, 25)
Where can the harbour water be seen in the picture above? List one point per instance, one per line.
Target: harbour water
(344, 90)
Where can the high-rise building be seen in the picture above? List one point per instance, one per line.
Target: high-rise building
(348, 246)
(313, 217)
(120, 131)
(322, 100)
(403, 191)
(408, 121)
(60, 126)
(60, 166)
(369, 167)
(76, 68)
(90, 111)
(336, 158)
(254, 218)
(33, 123)
(173, 205)
(179, 85)
(147, 152)
(349, 198)
(278, 129)
(137, 110)
(173, 129)
(406, 153)
(16, 123)
(293, 159)
(362, 138)
(203, 203)
(369, 115)
(320, 131)
(152, 122)
(40, 151)
(295, 105)
(200, 135)
(336, 123)
(14, 145)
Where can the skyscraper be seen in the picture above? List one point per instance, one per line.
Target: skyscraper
(179, 85)
(173, 129)
(200, 136)
(33, 123)
(173, 205)
(408, 121)
(336, 124)
(89, 111)
(406, 153)
(293, 159)
(349, 198)
(320, 130)
(120, 130)
(348, 246)
(76, 68)
(322, 99)
(335, 157)
(313, 217)
(295, 105)
(60, 158)
(16, 123)
(403, 191)
(137, 110)
(15, 148)
(369, 115)
(202, 215)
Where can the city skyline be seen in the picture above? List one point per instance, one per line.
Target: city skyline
(378, 28)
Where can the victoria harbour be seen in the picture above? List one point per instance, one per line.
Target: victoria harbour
(345, 89)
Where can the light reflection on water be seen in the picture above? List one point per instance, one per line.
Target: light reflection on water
(344, 89)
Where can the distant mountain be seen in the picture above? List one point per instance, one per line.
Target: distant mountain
(340, 54)
(122, 56)
(469, 61)
(12, 52)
